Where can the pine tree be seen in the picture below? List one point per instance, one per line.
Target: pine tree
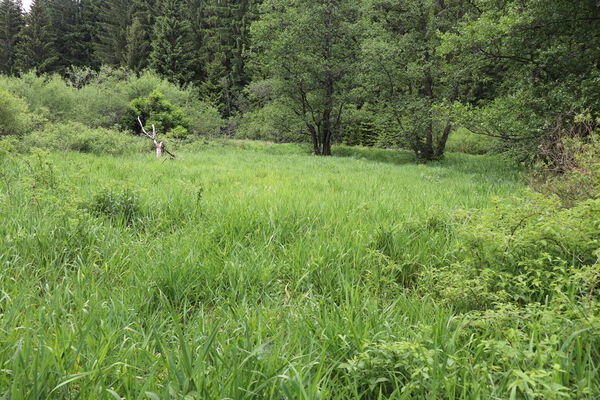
(172, 48)
(111, 38)
(11, 23)
(137, 46)
(36, 43)
(71, 33)
(140, 34)
(221, 29)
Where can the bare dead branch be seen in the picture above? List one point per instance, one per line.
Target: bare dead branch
(160, 147)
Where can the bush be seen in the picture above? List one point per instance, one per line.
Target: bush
(15, 118)
(274, 122)
(158, 111)
(122, 206)
(101, 99)
(570, 162)
(462, 140)
(74, 136)
(386, 367)
(526, 251)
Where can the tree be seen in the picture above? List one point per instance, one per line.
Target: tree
(36, 44)
(221, 35)
(311, 48)
(71, 33)
(11, 23)
(110, 45)
(531, 64)
(172, 49)
(140, 35)
(405, 71)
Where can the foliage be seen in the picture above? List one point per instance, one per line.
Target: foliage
(158, 111)
(266, 124)
(36, 48)
(526, 251)
(11, 24)
(172, 48)
(309, 47)
(78, 137)
(101, 99)
(360, 127)
(120, 206)
(529, 65)
(404, 71)
(15, 118)
(464, 141)
(569, 165)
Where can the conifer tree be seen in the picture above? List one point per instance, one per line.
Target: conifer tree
(69, 29)
(36, 44)
(137, 46)
(140, 34)
(11, 23)
(172, 48)
(111, 38)
(221, 29)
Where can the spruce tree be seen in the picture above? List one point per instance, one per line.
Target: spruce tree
(172, 48)
(140, 34)
(36, 44)
(71, 33)
(11, 23)
(111, 38)
(221, 29)
(137, 46)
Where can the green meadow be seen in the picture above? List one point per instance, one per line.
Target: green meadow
(245, 270)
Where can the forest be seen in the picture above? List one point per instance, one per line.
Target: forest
(300, 199)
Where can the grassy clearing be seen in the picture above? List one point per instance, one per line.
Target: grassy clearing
(255, 271)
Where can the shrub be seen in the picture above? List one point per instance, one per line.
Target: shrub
(570, 162)
(523, 251)
(101, 99)
(158, 111)
(462, 140)
(74, 136)
(15, 118)
(385, 367)
(274, 122)
(118, 206)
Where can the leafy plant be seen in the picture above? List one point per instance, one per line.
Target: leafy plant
(157, 110)
(15, 118)
(122, 206)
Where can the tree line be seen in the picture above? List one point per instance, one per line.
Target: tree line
(507, 69)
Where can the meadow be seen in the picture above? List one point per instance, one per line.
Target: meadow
(245, 270)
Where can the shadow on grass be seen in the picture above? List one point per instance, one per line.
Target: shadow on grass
(484, 165)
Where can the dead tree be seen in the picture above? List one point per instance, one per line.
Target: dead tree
(160, 146)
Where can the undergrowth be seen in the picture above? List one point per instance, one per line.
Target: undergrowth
(255, 271)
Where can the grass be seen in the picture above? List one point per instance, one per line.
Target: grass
(245, 271)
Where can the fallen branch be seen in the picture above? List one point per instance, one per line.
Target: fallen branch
(160, 146)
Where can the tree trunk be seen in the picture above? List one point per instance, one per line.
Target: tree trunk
(315, 139)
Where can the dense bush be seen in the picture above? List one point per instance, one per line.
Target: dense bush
(272, 122)
(569, 163)
(462, 140)
(529, 250)
(74, 136)
(101, 99)
(119, 206)
(158, 111)
(15, 118)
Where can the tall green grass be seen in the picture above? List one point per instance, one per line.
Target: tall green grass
(256, 273)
